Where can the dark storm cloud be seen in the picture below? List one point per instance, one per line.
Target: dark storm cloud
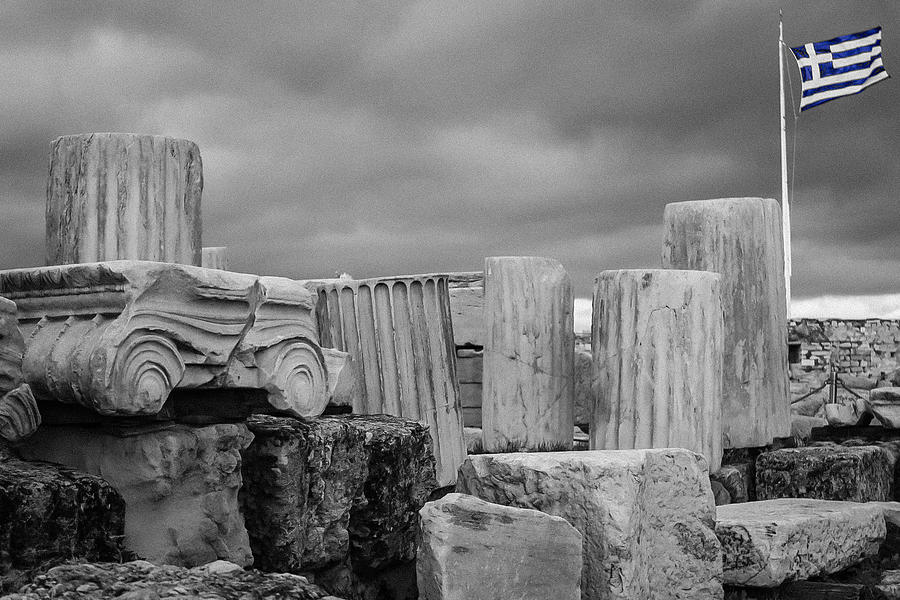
(407, 137)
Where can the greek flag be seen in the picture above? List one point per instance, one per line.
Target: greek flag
(840, 67)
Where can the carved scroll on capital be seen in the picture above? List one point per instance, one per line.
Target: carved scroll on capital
(19, 414)
(118, 337)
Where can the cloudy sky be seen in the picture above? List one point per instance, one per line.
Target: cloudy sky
(404, 137)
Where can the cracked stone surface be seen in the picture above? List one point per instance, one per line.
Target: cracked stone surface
(769, 542)
(646, 516)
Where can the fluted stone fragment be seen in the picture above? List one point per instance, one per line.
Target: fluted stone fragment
(117, 196)
(529, 353)
(740, 238)
(657, 348)
(398, 333)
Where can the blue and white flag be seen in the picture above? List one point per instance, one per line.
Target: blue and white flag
(840, 67)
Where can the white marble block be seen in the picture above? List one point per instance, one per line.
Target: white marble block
(657, 343)
(180, 485)
(529, 353)
(477, 550)
(740, 238)
(113, 196)
(397, 331)
(646, 516)
(769, 542)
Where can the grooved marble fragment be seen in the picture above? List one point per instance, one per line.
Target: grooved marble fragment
(657, 346)
(771, 541)
(116, 196)
(529, 353)
(477, 550)
(646, 516)
(398, 333)
(740, 238)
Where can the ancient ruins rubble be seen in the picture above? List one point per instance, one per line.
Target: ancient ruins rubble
(169, 427)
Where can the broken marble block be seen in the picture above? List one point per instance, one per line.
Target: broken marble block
(321, 491)
(118, 337)
(857, 474)
(477, 550)
(180, 485)
(646, 516)
(50, 513)
(768, 542)
(141, 580)
(466, 291)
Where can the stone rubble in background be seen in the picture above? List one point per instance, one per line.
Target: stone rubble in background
(768, 542)
(476, 550)
(646, 516)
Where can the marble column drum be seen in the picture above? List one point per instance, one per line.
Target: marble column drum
(529, 354)
(741, 239)
(398, 333)
(657, 339)
(114, 196)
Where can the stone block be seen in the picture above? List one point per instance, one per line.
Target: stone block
(466, 304)
(476, 550)
(214, 257)
(741, 239)
(857, 474)
(324, 491)
(468, 369)
(141, 580)
(735, 480)
(657, 342)
(646, 516)
(528, 379)
(768, 542)
(50, 513)
(884, 403)
(180, 485)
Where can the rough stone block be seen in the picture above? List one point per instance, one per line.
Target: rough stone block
(884, 402)
(50, 513)
(735, 480)
(647, 516)
(141, 580)
(466, 303)
(857, 474)
(476, 550)
(180, 485)
(768, 542)
(321, 491)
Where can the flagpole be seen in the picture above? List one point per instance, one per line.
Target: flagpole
(785, 208)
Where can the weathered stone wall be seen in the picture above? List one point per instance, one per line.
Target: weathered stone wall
(865, 347)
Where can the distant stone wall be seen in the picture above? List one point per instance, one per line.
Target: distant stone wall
(862, 347)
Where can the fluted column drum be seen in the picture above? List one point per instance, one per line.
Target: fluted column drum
(529, 354)
(114, 196)
(657, 339)
(398, 333)
(741, 239)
